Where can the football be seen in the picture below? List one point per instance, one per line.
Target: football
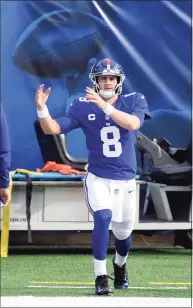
(60, 42)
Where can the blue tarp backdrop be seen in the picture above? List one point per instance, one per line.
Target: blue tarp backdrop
(56, 43)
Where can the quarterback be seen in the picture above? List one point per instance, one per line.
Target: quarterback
(110, 122)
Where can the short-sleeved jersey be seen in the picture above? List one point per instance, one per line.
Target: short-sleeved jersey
(111, 147)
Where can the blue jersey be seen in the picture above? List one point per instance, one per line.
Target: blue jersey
(111, 147)
(5, 151)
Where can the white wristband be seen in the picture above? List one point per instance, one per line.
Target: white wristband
(44, 113)
(108, 109)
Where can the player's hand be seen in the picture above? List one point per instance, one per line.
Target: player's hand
(42, 97)
(5, 196)
(93, 97)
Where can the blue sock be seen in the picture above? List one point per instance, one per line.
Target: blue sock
(123, 246)
(100, 234)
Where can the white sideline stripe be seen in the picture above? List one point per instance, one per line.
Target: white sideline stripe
(93, 301)
(85, 287)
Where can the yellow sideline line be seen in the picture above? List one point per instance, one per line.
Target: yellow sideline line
(63, 282)
(174, 283)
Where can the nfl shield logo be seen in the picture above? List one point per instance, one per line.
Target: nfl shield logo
(106, 117)
(116, 191)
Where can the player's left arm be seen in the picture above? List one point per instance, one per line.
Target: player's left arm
(127, 121)
(140, 110)
(130, 121)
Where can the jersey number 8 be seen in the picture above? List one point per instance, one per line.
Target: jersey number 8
(116, 149)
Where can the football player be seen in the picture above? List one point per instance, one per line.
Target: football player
(5, 160)
(110, 122)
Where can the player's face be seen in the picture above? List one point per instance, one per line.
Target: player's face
(107, 83)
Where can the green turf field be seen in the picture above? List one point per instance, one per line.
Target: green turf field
(152, 272)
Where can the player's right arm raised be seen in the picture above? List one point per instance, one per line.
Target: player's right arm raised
(48, 125)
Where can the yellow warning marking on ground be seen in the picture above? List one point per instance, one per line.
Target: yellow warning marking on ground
(92, 283)
(174, 283)
(64, 282)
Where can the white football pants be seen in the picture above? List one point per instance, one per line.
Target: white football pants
(117, 195)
